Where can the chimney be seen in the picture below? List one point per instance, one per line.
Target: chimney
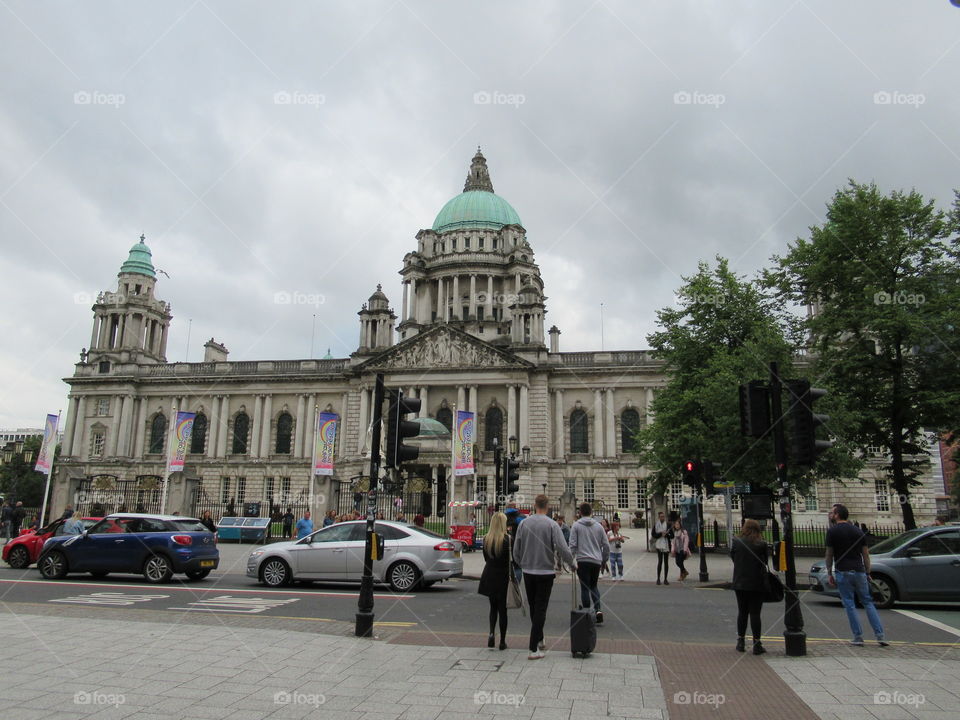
(214, 351)
(554, 339)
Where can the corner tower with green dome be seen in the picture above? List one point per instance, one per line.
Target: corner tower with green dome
(130, 325)
(475, 269)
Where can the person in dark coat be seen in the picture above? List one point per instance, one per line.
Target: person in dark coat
(749, 553)
(207, 521)
(495, 579)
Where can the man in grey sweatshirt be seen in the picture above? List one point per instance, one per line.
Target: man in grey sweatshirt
(537, 541)
(589, 544)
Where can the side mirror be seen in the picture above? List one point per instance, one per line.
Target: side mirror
(85, 532)
(912, 552)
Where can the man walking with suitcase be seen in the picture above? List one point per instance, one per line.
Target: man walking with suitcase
(589, 544)
(537, 541)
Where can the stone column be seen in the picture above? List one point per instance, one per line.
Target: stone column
(597, 423)
(213, 426)
(559, 437)
(649, 405)
(424, 401)
(611, 426)
(78, 448)
(414, 310)
(139, 432)
(66, 447)
(301, 426)
(93, 334)
(524, 433)
(311, 436)
(440, 304)
(511, 412)
(224, 429)
(254, 447)
(489, 311)
(473, 399)
(123, 437)
(265, 434)
(163, 342)
(342, 427)
(457, 302)
(461, 399)
(406, 307)
(363, 419)
(473, 296)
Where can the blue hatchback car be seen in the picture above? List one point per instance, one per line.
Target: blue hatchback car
(156, 546)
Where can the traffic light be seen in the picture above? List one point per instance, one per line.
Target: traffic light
(398, 429)
(754, 409)
(692, 473)
(804, 445)
(511, 475)
(711, 476)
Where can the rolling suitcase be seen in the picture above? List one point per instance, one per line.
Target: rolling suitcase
(583, 625)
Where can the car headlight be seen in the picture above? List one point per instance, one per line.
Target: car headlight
(258, 553)
(815, 568)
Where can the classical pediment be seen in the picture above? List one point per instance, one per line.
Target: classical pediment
(444, 348)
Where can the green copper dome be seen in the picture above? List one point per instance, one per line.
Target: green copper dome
(475, 209)
(140, 260)
(477, 206)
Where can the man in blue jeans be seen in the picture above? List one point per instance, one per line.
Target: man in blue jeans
(848, 567)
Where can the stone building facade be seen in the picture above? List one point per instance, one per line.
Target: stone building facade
(471, 334)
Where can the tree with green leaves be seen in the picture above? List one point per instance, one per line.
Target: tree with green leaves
(18, 479)
(724, 332)
(880, 276)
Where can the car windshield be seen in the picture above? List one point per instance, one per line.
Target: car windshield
(188, 525)
(890, 544)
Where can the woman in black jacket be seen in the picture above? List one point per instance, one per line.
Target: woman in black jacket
(749, 553)
(495, 579)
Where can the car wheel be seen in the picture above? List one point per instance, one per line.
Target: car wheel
(275, 573)
(197, 574)
(18, 558)
(403, 576)
(157, 569)
(53, 565)
(99, 573)
(884, 592)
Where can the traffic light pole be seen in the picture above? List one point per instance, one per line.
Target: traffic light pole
(364, 616)
(497, 492)
(701, 496)
(795, 639)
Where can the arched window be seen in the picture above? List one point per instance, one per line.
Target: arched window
(629, 427)
(284, 433)
(494, 427)
(158, 433)
(241, 428)
(578, 431)
(198, 436)
(445, 416)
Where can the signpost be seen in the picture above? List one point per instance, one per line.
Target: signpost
(364, 616)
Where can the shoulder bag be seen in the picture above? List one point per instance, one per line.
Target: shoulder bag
(772, 586)
(514, 597)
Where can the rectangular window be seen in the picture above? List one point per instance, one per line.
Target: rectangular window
(103, 406)
(676, 492)
(588, 490)
(224, 490)
(734, 502)
(270, 487)
(882, 490)
(811, 501)
(481, 491)
(285, 489)
(480, 244)
(453, 244)
(480, 313)
(623, 493)
(641, 494)
(570, 486)
(874, 451)
(241, 491)
(494, 243)
(96, 449)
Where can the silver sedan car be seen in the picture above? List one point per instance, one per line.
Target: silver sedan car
(412, 557)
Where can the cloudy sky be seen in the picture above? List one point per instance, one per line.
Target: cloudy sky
(297, 147)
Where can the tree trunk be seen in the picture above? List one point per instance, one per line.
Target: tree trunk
(896, 447)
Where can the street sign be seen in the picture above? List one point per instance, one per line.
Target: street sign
(741, 488)
(723, 485)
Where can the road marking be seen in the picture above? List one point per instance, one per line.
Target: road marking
(230, 604)
(198, 589)
(108, 598)
(929, 621)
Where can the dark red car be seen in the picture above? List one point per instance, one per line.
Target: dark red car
(24, 549)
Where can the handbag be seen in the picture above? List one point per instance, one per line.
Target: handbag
(772, 586)
(514, 597)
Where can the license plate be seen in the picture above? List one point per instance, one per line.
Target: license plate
(206, 563)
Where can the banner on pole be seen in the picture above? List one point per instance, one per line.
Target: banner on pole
(463, 443)
(326, 442)
(182, 430)
(49, 445)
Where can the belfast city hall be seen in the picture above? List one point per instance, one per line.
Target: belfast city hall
(470, 334)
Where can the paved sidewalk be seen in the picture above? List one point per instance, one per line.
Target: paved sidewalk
(202, 668)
